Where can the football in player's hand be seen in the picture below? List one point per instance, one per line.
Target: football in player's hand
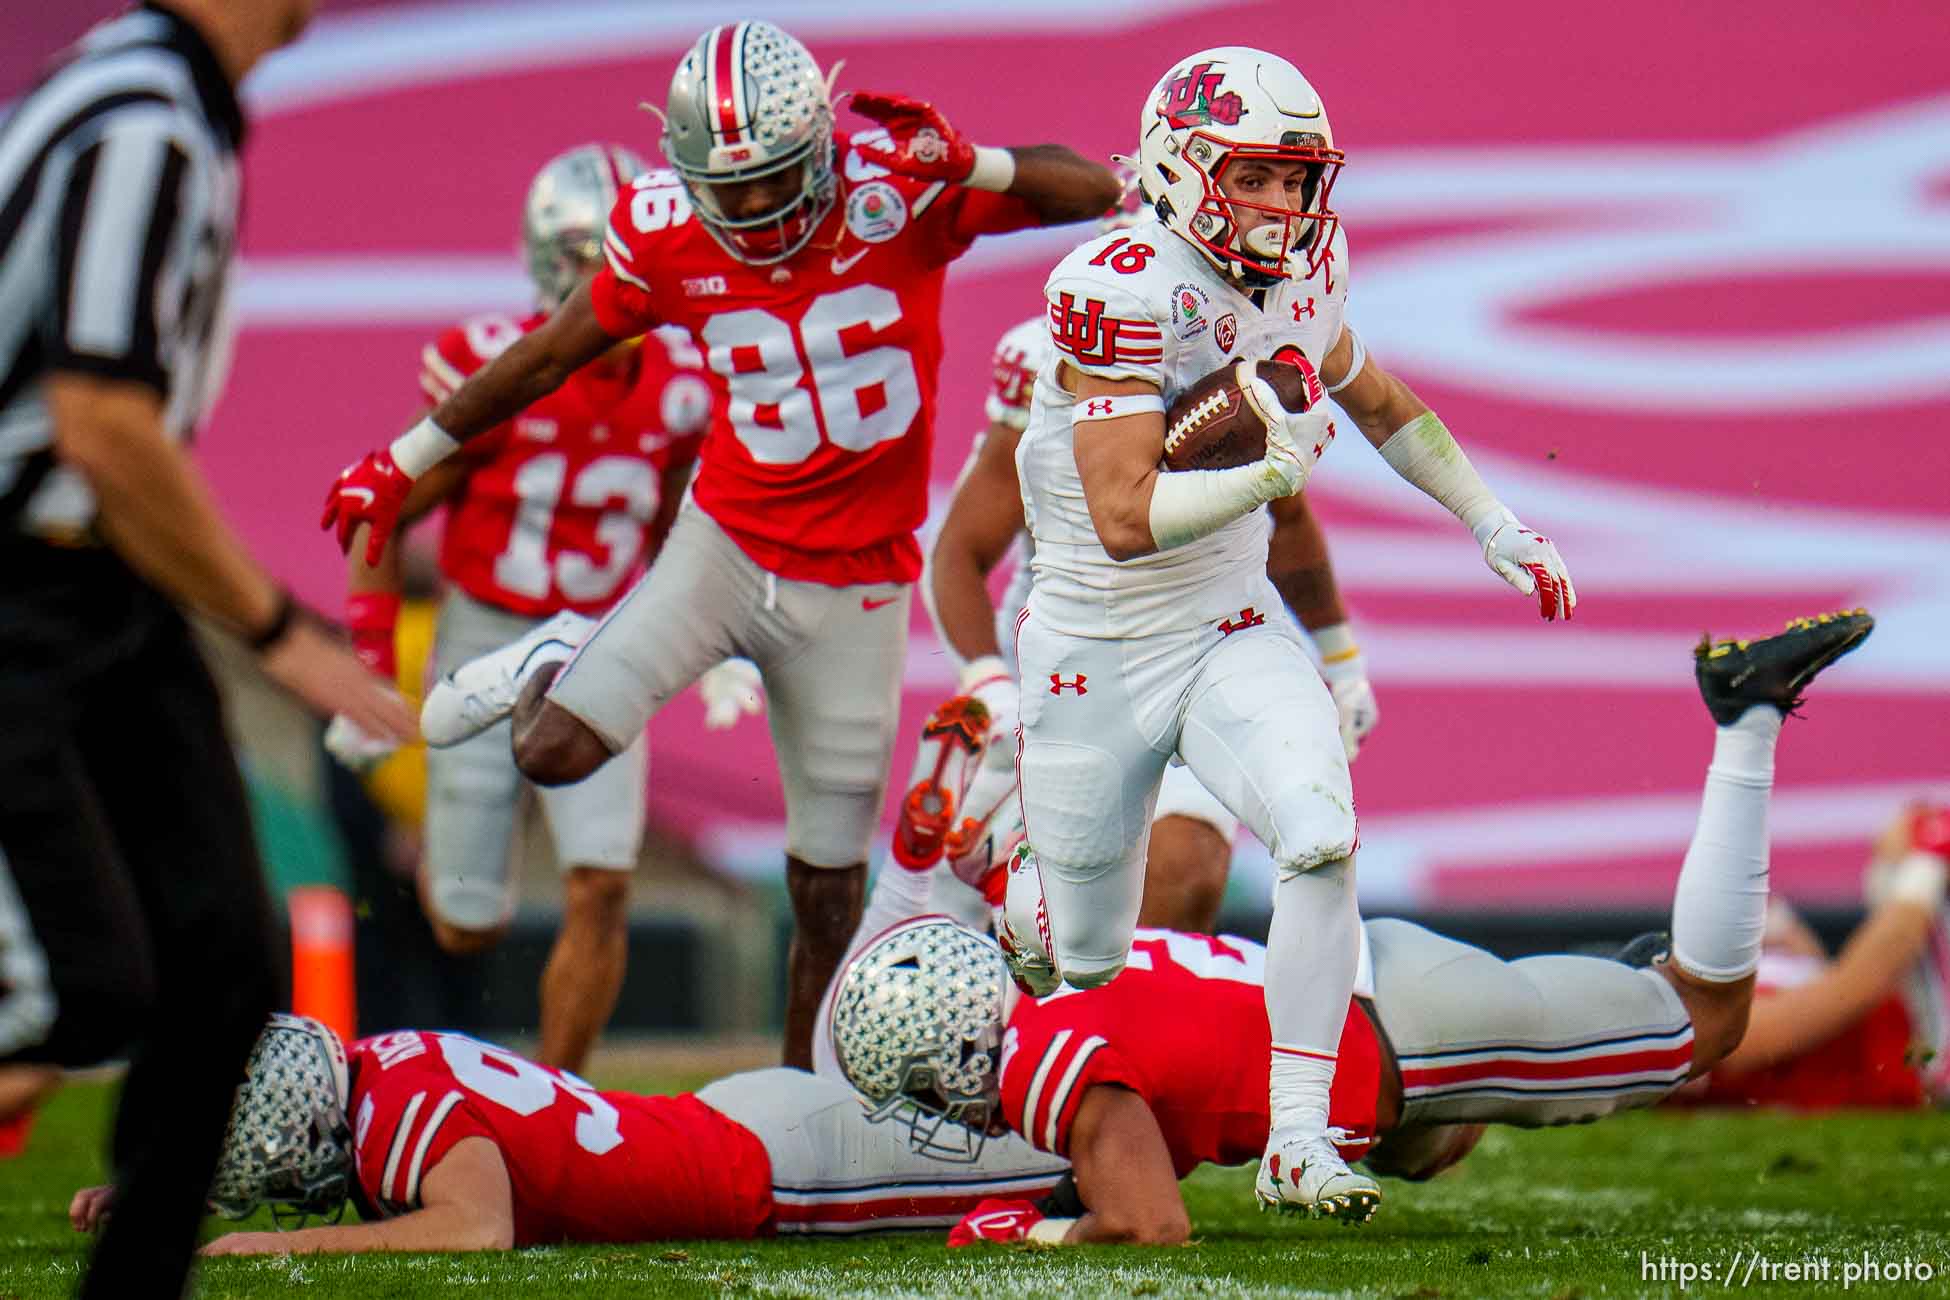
(1214, 425)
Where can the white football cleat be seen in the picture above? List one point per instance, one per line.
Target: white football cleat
(482, 691)
(1302, 1173)
(1022, 929)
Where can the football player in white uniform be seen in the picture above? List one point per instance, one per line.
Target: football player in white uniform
(1146, 635)
(1192, 833)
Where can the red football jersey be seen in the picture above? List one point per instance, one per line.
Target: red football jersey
(557, 511)
(825, 366)
(584, 1165)
(1184, 1027)
(1865, 1065)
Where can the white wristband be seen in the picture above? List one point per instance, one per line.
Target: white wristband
(1115, 406)
(1918, 878)
(422, 447)
(994, 169)
(1425, 453)
(1050, 1232)
(978, 671)
(1190, 504)
(1336, 643)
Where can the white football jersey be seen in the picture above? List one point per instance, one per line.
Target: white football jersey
(1022, 354)
(836, 1171)
(1144, 304)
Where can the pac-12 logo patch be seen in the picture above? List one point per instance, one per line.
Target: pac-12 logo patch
(1226, 332)
(875, 212)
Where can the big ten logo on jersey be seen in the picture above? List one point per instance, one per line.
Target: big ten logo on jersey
(659, 201)
(1096, 338)
(859, 396)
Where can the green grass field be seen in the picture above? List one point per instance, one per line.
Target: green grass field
(1567, 1213)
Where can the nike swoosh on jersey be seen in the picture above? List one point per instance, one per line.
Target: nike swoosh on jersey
(869, 603)
(841, 265)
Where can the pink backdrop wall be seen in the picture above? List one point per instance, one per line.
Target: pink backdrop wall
(1679, 273)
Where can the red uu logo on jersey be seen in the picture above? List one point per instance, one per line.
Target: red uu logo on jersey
(1099, 340)
(1057, 685)
(1248, 617)
(1194, 99)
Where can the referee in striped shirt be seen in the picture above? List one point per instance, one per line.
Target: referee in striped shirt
(133, 915)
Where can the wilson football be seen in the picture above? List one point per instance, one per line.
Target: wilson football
(1214, 424)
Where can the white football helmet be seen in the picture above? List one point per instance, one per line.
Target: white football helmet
(1214, 110)
(289, 1143)
(567, 211)
(917, 1030)
(749, 102)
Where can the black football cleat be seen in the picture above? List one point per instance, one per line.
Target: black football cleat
(1736, 675)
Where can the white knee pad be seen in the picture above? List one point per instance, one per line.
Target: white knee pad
(1324, 832)
(1073, 803)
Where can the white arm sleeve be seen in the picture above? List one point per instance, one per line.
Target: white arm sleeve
(1425, 453)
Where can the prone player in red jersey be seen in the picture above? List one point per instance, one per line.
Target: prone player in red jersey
(1139, 1080)
(556, 509)
(1869, 1027)
(447, 1143)
(808, 265)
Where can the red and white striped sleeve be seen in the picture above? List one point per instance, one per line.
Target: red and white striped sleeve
(1045, 1077)
(1104, 329)
(402, 1128)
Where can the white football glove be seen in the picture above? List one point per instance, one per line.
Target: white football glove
(1354, 701)
(730, 690)
(1527, 561)
(1295, 440)
(356, 751)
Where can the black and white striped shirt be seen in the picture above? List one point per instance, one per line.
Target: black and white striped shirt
(118, 217)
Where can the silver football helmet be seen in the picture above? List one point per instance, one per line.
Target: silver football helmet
(746, 103)
(289, 1143)
(567, 212)
(917, 1030)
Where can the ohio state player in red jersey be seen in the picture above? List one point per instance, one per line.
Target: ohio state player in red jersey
(556, 509)
(1139, 1080)
(448, 1143)
(808, 266)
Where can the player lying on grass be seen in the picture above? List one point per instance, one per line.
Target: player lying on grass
(446, 1143)
(1140, 1080)
(1869, 1027)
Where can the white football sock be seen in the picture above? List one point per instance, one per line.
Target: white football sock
(1311, 955)
(1719, 910)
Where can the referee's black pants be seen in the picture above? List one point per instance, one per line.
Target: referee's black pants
(126, 832)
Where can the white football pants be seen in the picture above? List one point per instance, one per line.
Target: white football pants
(1245, 709)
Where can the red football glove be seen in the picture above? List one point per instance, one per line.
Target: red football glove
(372, 617)
(995, 1220)
(370, 492)
(923, 143)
